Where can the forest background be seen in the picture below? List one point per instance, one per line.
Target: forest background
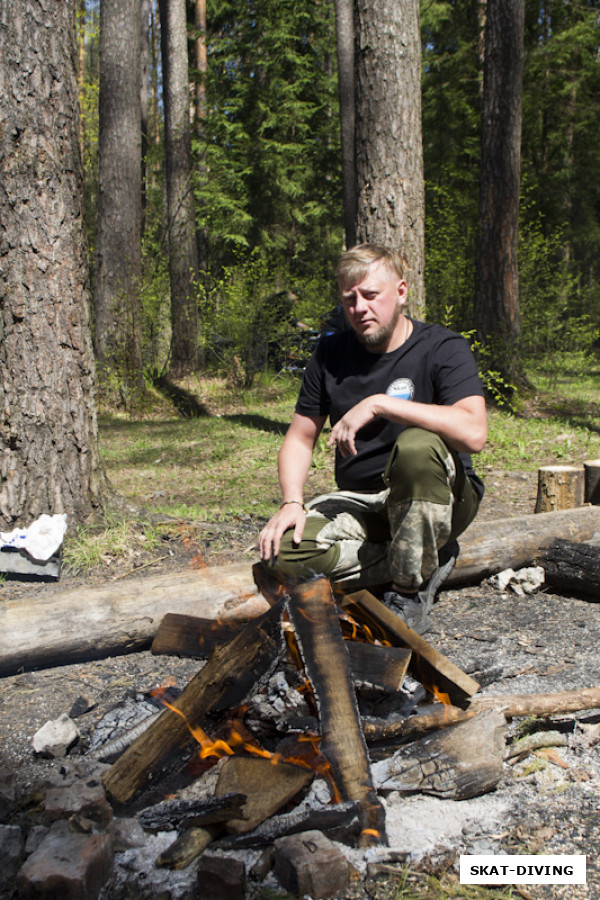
(174, 188)
(267, 180)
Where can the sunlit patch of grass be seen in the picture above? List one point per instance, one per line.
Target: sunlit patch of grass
(222, 466)
(517, 442)
(102, 545)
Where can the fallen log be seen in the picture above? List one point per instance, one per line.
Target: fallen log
(572, 568)
(487, 548)
(56, 627)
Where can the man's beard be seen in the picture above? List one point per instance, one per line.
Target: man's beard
(383, 334)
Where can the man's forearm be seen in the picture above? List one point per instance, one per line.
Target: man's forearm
(293, 467)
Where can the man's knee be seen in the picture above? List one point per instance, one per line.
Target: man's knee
(420, 467)
(309, 558)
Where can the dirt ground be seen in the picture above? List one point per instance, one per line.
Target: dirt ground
(543, 643)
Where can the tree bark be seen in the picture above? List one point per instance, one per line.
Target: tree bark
(183, 255)
(497, 275)
(49, 460)
(117, 289)
(344, 22)
(389, 154)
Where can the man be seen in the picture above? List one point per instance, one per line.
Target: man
(407, 409)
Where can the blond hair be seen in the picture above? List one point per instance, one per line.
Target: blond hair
(354, 263)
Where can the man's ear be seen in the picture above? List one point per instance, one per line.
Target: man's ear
(402, 289)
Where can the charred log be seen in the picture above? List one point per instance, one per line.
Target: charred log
(314, 615)
(572, 567)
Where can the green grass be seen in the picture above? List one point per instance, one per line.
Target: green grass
(222, 465)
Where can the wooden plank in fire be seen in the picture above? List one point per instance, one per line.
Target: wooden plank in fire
(427, 665)
(314, 616)
(226, 680)
(379, 667)
(193, 636)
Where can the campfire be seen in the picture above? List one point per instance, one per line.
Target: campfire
(309, 712)
(312, 720)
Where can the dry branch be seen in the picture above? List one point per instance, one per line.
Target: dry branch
(512, 705)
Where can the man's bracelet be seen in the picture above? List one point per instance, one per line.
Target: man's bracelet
(299, 502)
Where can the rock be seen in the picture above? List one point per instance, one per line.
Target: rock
(8, 793)
(12, 848)
(86, 799)
(55, 738)
(67, 865)
(127, 833)
(222, 878)
(310, 864)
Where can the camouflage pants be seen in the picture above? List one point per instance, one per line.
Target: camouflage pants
(393, 535)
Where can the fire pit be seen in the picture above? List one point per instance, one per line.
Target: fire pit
(386, 813)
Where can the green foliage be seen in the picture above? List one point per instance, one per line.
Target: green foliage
(561, 135)
(272, 144)
(450, 239)
(88, 24)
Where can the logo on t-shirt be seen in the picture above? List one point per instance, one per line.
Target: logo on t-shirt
(401, 387)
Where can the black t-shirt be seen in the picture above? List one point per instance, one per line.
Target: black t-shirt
(434, 365)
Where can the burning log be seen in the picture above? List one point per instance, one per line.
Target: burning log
(513, 705)
(379, 667)
(314, 615)
(429, 666)
(457, 763)
(572, 568)
(183, 814)
(339, 817)
(225, 681)
(374, 666)
(265, 786)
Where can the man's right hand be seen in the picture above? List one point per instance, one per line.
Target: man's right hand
(290, 515)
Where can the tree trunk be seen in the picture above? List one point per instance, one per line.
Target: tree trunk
(49, 460)
(344, 21)
(117, 301)
(183, 255)
(497, 275)
(389, 155)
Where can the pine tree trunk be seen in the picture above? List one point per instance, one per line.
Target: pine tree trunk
(49, 461)
(117, 301)
(389, 155)
(497, 274)
(344, 22)
(183, 255)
